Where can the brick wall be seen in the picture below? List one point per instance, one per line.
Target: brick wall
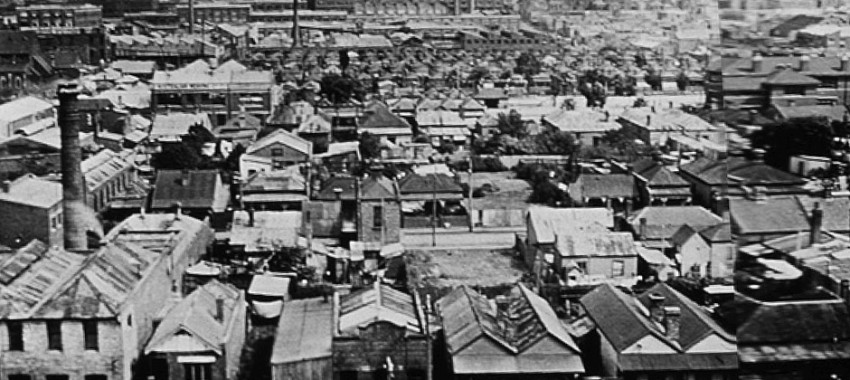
(29, 223)
(391, 219)
(377, 342)
(76, 362)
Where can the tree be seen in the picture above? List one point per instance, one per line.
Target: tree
(527, 65)
(811, 136)
(370, 145)
(478, 74)
(512, 124)
(555, 142)
(653, 79)
(341, 88)
(177, 157)
(682, 81)
(626, 142)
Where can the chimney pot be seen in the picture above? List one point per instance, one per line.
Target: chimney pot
(671, 322)
(178, 209)
(7, 185)
(757, 63)
(845, 63)
(816, 224)
(648, 120)
(219, 309)
(643, 227)
(805, 62)
(656, 303)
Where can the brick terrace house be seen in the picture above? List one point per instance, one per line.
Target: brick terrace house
(422, 190)
(377, 332)
(201, 336)
(88, 314)
(658, 185)
(660, 334)
(520, 338)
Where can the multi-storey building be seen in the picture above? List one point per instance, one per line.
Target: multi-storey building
(40, 17)
(66, 31)
(216, 12)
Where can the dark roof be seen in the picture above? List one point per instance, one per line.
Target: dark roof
(17, 42)
(833, 112)
(789, 77)
(380, 116)
(431, 182)
(817, 66)
(678, 362)
(741, 171)
(370, 189)
(617, 316)
(657, 174)
(720, 233)
(682, 235)
(774, 215)
(791, 321)
(199, 190)
(794, 23)
(695, 322)
(604, 185)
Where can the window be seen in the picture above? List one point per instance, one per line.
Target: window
(582, 266)
(348, 375)
(618, 268)
(277, 152)
(95, 377)
(90, 335)
(54, 336)
(378, 216)
(56, 377)
(197, 371)
(16, 335)
(20, 377)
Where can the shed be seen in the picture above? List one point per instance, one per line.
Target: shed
(303, 343)
(267, 294)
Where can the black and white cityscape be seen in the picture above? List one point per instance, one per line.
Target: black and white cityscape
(424, 189)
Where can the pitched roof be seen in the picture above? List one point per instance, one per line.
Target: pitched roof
(603, 185)
(578, 121)
(195, 316)
(191, 188)
(468, 316)
(763, 323)
(774, 215)
(739, 170)
(371, 188)
(21, 260)
(428, 183)
(664, 222)
(549, 222)
(31, 191)
(657, 174)
(596, 244)
(18, 108)
(304, 332)
(696, 323)
(281, 136)
(381, 118)
(790, 77)
(720, 233)
(833, 112)
(174, 125)
(378, 303)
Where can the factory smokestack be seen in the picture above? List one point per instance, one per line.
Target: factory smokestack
(296, 29)
(73, 204)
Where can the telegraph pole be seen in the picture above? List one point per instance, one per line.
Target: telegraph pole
(469, 200)
(434, 208)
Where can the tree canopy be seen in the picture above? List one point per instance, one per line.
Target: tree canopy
(810, 136)
(341, 88)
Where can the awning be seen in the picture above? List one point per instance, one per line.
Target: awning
(196, 359)
(269, 286)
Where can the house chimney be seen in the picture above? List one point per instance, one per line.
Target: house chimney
(672, 315)
(845, 63)
(844, 290)
(73, 191)
(642, 231)
(758, 63)
(753, 115)
(184, 177)
(816, 224)
(805, 63)
(656, 303)
(758, 155)
(648, 120)
(219, 309)
(178, 210)
(7, 185)
(250, 217)
(628, 209)
(608, 116)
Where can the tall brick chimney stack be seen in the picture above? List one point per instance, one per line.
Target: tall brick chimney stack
(73, 204)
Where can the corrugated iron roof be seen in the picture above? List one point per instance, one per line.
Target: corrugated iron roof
(379, 303)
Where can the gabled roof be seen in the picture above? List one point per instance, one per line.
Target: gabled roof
(774, 215)
(378, 303)
(32, 191)
(22, 107)
(696, 324)
(664, 222)
(281, 136)
(21, 260)
(721, 233)
(467, 317)
(739, 170)
(381, 118)
(657, 174)
(192, 188)
(304, 332)
(428, 183)
(194, 317)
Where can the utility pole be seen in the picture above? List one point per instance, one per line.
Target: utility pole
(434, 208)
(469, 200)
